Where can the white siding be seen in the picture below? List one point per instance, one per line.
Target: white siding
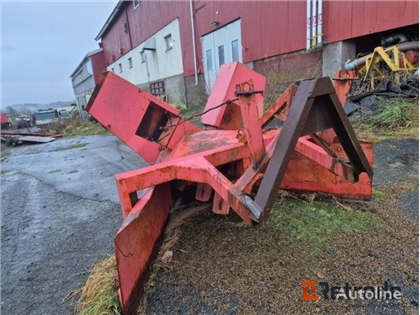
(161, 63)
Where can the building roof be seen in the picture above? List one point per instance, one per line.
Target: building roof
(85, 58)
(110, 19)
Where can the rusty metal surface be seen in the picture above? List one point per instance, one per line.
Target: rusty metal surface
(36, 139)
(249, 110)
(9, 133)
(314, 108)
(305, 175)
(316, 150)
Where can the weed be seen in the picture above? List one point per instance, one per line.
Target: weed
(279, 78)
(99, 294)
(75, 126)
(313, 224)
(181, 106)
(73, 146)
(86, 129)
(394, 114)
(398, 119)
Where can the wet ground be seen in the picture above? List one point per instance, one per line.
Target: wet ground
(60, 212)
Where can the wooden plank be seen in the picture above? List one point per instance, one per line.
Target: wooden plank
(36, 139)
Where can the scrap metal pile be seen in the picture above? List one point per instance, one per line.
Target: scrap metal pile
(389, 71)
(316, 150)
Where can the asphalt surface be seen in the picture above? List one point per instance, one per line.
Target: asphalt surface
(60, 212)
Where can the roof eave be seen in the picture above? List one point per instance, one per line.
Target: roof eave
(109, 20)
(85, 58)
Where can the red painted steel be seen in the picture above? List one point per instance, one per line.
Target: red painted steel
(137, 242)
(98, 65)
(216, 158)
(134, 116)
(231, 72)
(305, 175)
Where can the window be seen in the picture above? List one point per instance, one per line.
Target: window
(143, 56)
(136, 3)
(169, 42)
(221, 55)
(112, 70)
(120, 65)
(209, 63)
(130, 63)
(235, 50)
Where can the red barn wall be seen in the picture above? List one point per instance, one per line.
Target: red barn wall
(269, 28)
(348, 19)
(98, 65)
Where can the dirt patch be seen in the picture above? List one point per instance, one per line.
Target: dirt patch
(220, 266)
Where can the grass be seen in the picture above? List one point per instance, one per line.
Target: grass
(73, 146)
(76, 126)
(86, 129)
(395, 114)
(219, 257)
(99, 294)
(262, 267)
(279, 78)
(313, 224)
(398, 119)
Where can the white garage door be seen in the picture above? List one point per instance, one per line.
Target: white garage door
(221, 46)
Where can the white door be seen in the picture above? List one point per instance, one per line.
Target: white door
(219, 47)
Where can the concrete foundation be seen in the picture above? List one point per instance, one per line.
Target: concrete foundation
(195, 94)
(174, 88)
(282, 71)
(335, 55)
(291, 67)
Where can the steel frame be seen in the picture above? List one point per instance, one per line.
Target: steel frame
(315, 150)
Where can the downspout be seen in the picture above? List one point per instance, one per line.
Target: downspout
(313, 23)
(308, 25)
(351, 65)
(319, 21)
(193, 42)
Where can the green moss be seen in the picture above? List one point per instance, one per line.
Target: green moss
(314, 226)
(73, 146)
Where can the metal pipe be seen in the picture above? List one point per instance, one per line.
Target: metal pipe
(351, 65)
(193, 42)
(397, 38)
(313, 23)
(308, 24)
(319, 23)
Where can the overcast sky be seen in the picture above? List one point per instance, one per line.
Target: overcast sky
(42, 43)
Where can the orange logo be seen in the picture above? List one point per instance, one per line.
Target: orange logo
(311, 295)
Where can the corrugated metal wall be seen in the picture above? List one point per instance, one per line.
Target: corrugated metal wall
(268, 28)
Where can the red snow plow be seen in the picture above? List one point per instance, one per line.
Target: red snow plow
(234, 154)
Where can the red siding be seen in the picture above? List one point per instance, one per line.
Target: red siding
(98, 65)
(269, 28)
(349, 19)
(116, 39)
